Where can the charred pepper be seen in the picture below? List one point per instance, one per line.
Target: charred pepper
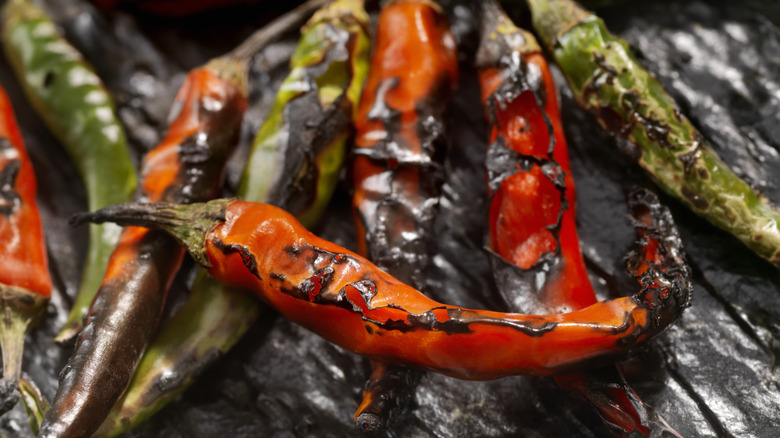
(185, 167)
(398, 167)
(352, 303)
(330, 63)
(74, 104)
(629, 102)
(25, 284)
(532, 216)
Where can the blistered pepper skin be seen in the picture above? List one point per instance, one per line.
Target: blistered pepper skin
(331, 62)
(25, 283)
(532, 213)
(185, 167)
(349, 301)
(629, 102)
(74, 104)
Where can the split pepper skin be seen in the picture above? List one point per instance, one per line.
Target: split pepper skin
(352, 303)
(306, 135)
(532, 215)
(629, 102)
(25, 284)
(72, 101)
(398, 166)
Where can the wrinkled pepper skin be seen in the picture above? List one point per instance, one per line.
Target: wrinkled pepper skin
(532, 224)
(185, 167)
(629, 102)
(25, 284)
(352, 303)
(74, 104)
(398, 167)
(331, 60)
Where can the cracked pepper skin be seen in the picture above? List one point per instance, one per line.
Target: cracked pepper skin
(629, 102)
(350, 302)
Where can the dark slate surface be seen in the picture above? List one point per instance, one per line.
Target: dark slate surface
(712, 374)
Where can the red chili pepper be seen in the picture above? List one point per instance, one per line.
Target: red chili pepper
(398, 169)
(185, 167)
(25, 284)
(349, 301)
(532, 225)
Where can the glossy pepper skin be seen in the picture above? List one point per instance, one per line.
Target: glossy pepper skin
(398, 166)
(532, 214)
(25, 284)
(350, 302)
(331, 61)
(74, 104)
(606, 80)
(185, 167)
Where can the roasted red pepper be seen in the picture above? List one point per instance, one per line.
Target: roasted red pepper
(532, 223)
(398, 169)
(349, 301)
(185, 167)
(25, 284)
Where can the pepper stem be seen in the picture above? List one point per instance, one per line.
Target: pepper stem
(189, 224)
(18, 308)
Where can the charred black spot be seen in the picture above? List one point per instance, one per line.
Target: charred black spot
(276, 276)
(318, 283)
(609, 70)
(246, 256)
(703, 174)
(9, 197)
(689, 159)
(613, 120)
(369, 329)
(48, 79)
(698, 201)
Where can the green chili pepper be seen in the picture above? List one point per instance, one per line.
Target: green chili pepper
(328, 69)
(628, 101)
(74, 104)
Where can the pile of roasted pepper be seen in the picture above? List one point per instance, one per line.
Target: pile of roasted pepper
(364, 111)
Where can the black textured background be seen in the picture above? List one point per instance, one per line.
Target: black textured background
(712, 374)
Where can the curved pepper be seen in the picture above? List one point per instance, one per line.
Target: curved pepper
(25, 284)
(532, 214)
(75, 105)
(350, 302)
(398, 168)
(331, 63)
(627, 101)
